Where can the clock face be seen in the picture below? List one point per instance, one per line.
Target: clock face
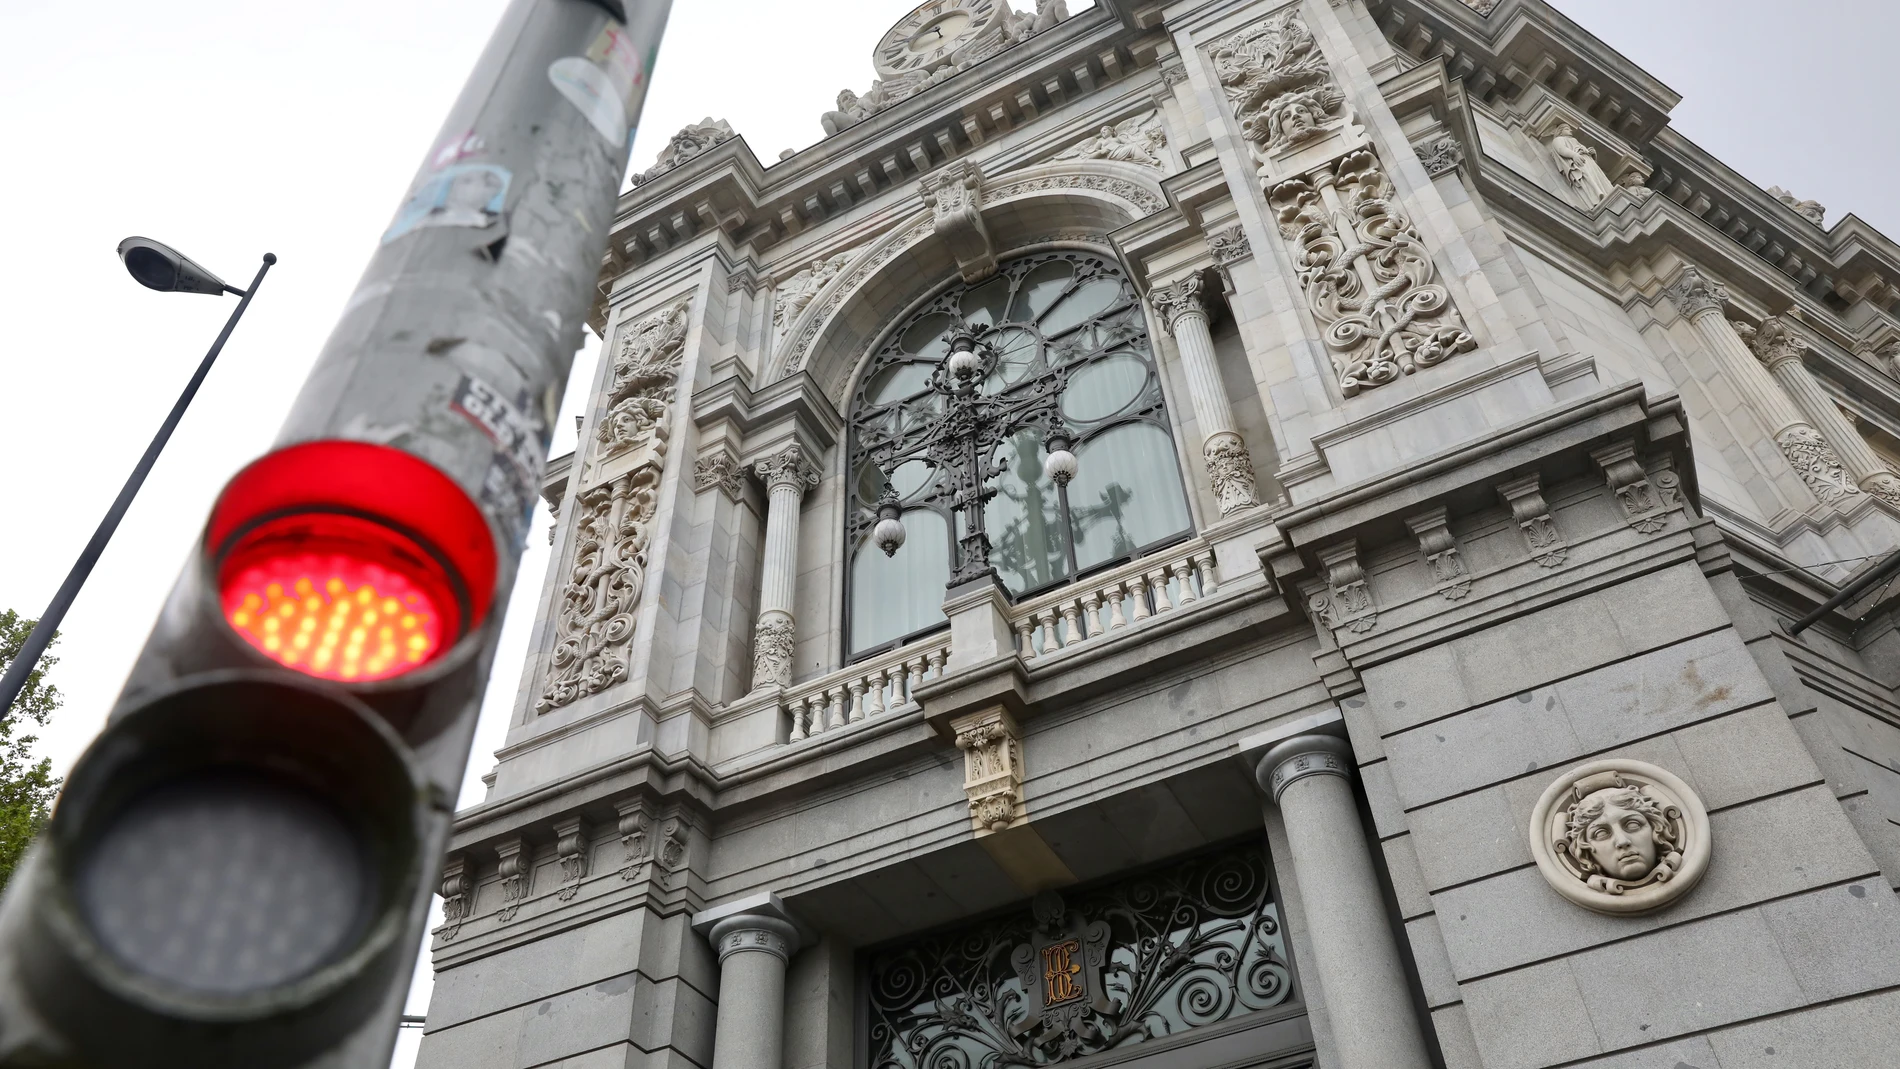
(930, 36)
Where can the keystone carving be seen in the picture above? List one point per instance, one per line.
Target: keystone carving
(992, 768)
(1525, 497)
(1440, 550)
(954, 193)
(1620, 836)
(1366, 274)
(1277, 81)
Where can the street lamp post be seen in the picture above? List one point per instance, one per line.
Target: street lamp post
(959, 442)
(162, 268)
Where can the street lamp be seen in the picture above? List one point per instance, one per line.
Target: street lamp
(163, 268)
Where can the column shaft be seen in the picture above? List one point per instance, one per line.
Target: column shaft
(1354, 952)
(1229, 467)
(786, 474)
(1782, 352)
(750, 1031)
(1745, 373)
(780, 573)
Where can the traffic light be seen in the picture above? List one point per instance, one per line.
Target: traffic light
(239, 868)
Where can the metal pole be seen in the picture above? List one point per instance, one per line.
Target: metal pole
(1848, 593)
(42, 636)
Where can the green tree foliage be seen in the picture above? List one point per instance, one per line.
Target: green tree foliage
(27, 787)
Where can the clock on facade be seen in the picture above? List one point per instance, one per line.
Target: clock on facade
(934, 33)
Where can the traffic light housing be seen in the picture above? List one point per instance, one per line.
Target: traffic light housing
(238, 870)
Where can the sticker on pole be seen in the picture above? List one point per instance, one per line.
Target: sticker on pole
(592, 92)
(465, 195)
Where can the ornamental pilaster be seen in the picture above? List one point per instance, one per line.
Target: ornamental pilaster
(1813, 458)
(1782, 352)
(1183, 311)
(787, 474)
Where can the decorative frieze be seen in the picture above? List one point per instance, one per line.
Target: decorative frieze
(992, 768)
(1366, 274)
(1277, 81)
(1440, 550)
(517, 869)
(570, 848)
(595, 622)
(1345, 601)
(1620, 836)
(1525, 498)
(1137, 140)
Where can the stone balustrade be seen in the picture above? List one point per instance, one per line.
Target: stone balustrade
(875, 687)
(1124, 597)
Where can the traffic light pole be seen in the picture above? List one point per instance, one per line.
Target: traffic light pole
(239, 870)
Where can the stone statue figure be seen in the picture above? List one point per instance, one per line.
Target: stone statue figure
(1022, 26)
(1577, 162)
(849, 113)
(1811, 210)
(1136, 140)
(1621, 837)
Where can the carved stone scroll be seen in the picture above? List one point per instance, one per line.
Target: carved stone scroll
(1525, 497)
(458, 895)
(1366, 274)
(1440, 550)
(1646, 504)
(595, 623)
(636, 836)
(992, 768)
(954, 193)
(570, 846)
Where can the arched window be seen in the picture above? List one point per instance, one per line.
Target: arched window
(1067, 318)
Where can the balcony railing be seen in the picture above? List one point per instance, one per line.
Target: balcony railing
(1097, 607)
(867, 690)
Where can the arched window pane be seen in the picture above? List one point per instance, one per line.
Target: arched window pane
(901, 594)
(1024, 519)
(1126, 494)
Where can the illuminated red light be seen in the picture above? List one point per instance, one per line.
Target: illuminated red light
(349, 561)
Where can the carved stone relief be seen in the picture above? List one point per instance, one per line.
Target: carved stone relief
(595, 623)
(772, 650)
(516, 868)
(796, 292)
(458, 896)
(1137, 140)
(1577, 163)
(1441, 156)
(693, 140)
(1229, 246)
(954, 194)
(1230, 470)
(1525, 497)
(646, 367)
(636, 836)
(720, 469)
(1811, 210)
(1810, 453)
(1440, 550)
(1619, 836)
(1345, 601)
(571, 847)
(1277, 81)
(1366, 274)
(1646, 499)
(992, 768)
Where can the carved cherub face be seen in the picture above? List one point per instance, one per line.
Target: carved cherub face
(847, 100)
(1616, 831)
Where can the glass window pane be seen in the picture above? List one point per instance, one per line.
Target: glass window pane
(983, 306)
(1024, 519)
(1015, 350)
(926, 338)
(1039, 289)
(1088, 301)
(1126, 493)
(897, 595)
(1103, 388)
(898, 380)
(911, 478)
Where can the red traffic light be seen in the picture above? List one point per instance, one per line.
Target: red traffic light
(350, 561)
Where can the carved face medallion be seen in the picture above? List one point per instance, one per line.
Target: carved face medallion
(931, 35)
(1619, 836)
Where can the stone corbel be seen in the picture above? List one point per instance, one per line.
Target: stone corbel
(991, 743)
(1646, 500)
(954, 193)
(458, 895)
(516, 868)
(719, 468)
(570, 846)
(1440, 550)
(1345, 602)
(636, 836)
(1525, 497)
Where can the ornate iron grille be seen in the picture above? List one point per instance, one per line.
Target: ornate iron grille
(1185, 946)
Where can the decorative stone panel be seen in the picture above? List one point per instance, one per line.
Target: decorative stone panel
(992, 768)
(1619, 836)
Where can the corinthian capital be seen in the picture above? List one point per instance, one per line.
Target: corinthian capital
(1177, 299)
(1772, 342)
(787, 467)
(1694, 294)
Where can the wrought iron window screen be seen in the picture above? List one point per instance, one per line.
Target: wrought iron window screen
(1065, 350)
(1186, 945)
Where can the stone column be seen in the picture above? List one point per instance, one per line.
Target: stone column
(1781, 351)
(1813, 458)
(1354, 952)
(785, 474)
(753, 949)
(1183, 312)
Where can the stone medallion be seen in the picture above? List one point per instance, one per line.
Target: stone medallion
(1620, 836)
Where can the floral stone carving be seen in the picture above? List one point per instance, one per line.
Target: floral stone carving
(1277, 81)
(1619, 836)
(772, 650)
(645, 370)
(1366, 274)
(595, 622)
(992, 768)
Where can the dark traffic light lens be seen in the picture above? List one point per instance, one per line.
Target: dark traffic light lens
(226, 885)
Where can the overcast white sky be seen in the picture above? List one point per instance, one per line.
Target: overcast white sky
(230, 128)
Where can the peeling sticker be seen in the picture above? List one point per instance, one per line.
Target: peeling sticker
(521, 440)
(465, 195)
(458, 148)
(592, 92)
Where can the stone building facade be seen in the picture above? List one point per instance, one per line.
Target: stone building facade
(1400, 454)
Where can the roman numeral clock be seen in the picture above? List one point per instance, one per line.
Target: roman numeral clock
(936, 33)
